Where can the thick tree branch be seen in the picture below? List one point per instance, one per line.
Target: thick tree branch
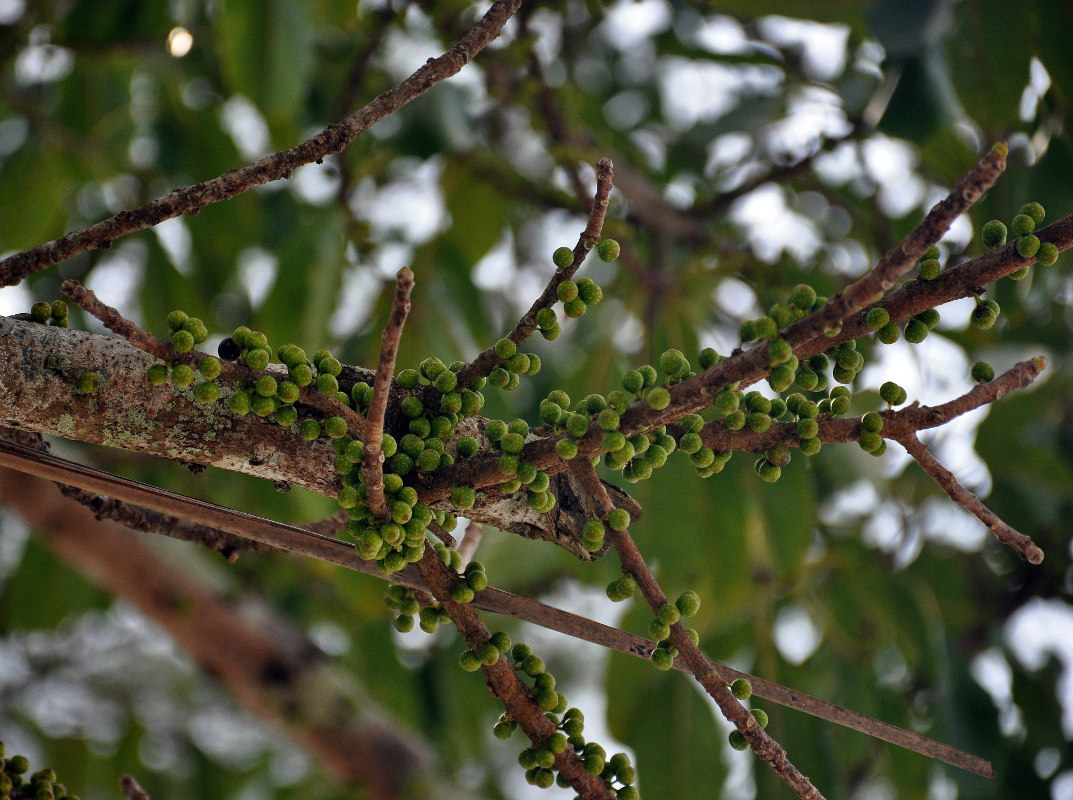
(279, 165)
(229, 370)
(38, 367)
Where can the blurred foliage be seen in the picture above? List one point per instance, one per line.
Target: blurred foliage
(849, 123)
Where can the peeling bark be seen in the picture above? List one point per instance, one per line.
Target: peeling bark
(39, 365)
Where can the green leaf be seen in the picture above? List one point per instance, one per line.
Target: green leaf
(684, 760)
(266, 51)
(989, 51)
(43, 592)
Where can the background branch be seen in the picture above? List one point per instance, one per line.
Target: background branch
(279, 165)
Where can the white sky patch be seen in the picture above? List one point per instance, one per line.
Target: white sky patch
(142, 152)
(175, 238)
(15, 300)
(839, 166)
(1047, 761)
(289, 765)
(945, 522)
(628, 24)
(701, 91)
(389, 258)
(1038, 630)
(728, 151)
(681, 191)
(330, 638)
(629, 330)
(548, 28)
(991, 670)
(411, 206)
(316, 184)
(795, 634)
(1039, 81)
(117, 277)
(891, 164)
(735, 298)
(885, 529)
(1062, 786)
(941, 786)
(231, 739)
(121, 192)
(257, 269)
(11, 11)
(695, 92)
(849, 503)
(652, 147)
(953, 315)
(722, 35)
(360, 288)
(242, 121)
(13, 133)
(823, 46)
(772, 227)
(42, 62)
(496, 271)
(813, 113)
(848, 258)
(626, 109)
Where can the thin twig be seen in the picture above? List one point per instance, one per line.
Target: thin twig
(487, 360)
(905, 421)
(331, 140)
(258, 532)
(970, 502)
(471, 540)
(898, 261)
(229, 370)
(966, 279)
(373, 462)
(131, 789)
(715, 684)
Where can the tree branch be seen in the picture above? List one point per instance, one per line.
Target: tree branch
(967, 500)
(487, 360)
(373, 461)
(334, 551)
(276, 673)
(279, 165)
(504, 682)
(229, 370)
